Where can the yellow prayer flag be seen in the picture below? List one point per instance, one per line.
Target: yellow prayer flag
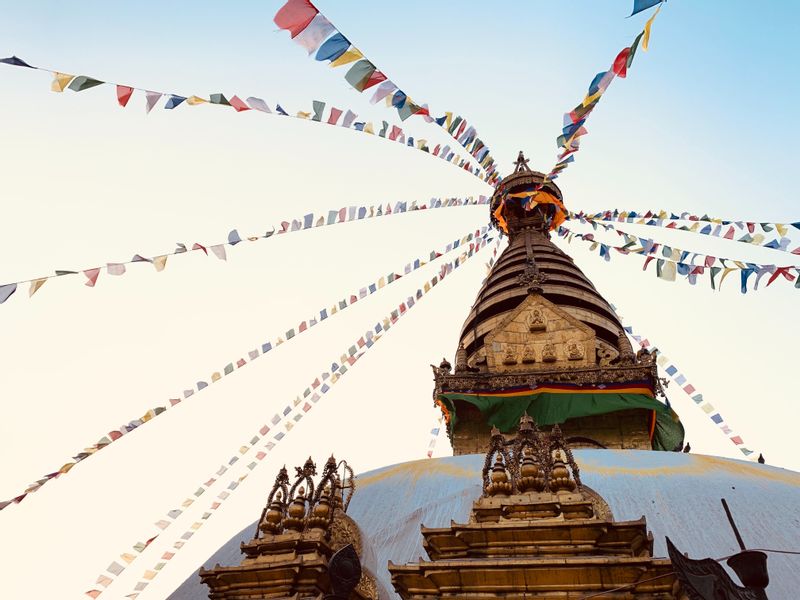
(589, 99)
(725, 273)
(215, 377)
(334, 310)
(187, 503)
(196, 525)
(128, 558)
(662, 214)
(368, 128)
(194, 100)
(740, 264)
(279, 342)
(303, 115)
(66, 467)
(159, 262)
(149, 574)
(646, 36)
(289, 425)
(60, 81)
(782, 229)
(707, 408)
(35, 285)
(426, 287)
(352, 55)
(381, 282)
(757, 239)
(694, 227)
(448, 120)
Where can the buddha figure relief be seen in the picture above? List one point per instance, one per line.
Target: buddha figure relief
(509, 356)
(574, 350)
(549, 353)
(536, 320)
(528, 355)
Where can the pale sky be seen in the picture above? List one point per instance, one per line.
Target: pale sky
(703, 123)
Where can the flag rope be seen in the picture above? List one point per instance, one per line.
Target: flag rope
(713, 227)
(672, 262)
(62, 81)
(663, 361)
(152, 413)
(289, 416)
(309, 221)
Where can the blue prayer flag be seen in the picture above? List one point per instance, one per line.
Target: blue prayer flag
(333, 48)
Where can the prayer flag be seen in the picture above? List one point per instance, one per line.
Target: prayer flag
(60, 81)
(115, 268)
(159, 262)
(258, 104)
(640, 5)
(219, 99)
(173, 101)
(194, 100)
(15, 61)
(621, 63)
(295, 15)
(35, 285)
(351, 55)
(359, 74)
(238, 104)
(317, 30)
(91, 276)
(647, 26)
(82, 82)
(152, 100)
(333, 47)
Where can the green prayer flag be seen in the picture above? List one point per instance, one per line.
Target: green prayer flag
(81, 82)
(634, 46)
(359, 74)
(219, 99)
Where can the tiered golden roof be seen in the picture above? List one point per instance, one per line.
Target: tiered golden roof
(536, 532)
(301, 528)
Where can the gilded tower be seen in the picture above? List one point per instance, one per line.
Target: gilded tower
(540, 338)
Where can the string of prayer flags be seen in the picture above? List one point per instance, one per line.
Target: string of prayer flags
(310, 29)
(124, 93)
(273, 431)
(737, 231)
(434, 436)
(674, 261)
(690, 390)
(309, 221)
(575, 120)
(265, 347)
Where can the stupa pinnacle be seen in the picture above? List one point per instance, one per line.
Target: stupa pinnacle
(541, 338)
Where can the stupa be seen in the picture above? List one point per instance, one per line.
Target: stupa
(582, 483)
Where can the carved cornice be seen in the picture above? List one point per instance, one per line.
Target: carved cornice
(461, 382)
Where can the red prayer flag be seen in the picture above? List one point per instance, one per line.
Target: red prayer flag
(374, 79)
(240, 363)
(114, 435)
(729, 234)
(124, 94)
(197, 246)
(91, 276)
(737, 440)
(620, 67)
(335, 114)
(238, 104)
(295, 15)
